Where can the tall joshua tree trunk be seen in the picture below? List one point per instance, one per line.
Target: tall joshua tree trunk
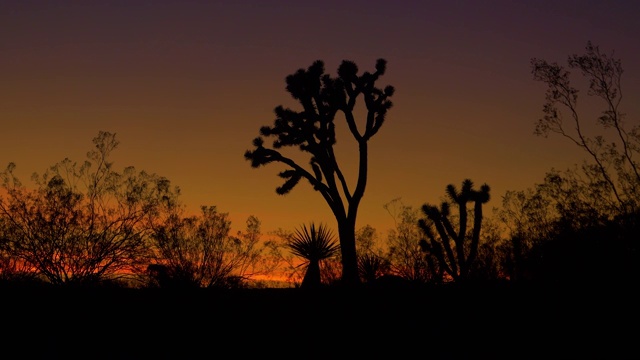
(346, 230)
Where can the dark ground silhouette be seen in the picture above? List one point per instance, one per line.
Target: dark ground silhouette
(452, 322)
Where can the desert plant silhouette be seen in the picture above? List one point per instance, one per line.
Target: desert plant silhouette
(372, 267)
(611, 156)
(313, 130)
(580, 224)
(84, 223)
(313, 244)
(457, 260)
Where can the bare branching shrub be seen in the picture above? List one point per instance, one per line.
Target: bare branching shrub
(83, 223)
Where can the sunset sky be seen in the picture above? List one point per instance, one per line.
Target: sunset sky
(186, 85)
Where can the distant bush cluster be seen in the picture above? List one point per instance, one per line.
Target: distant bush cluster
(86, 224)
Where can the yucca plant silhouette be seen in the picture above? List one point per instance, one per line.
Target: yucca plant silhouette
(371, 267)
(313, 244)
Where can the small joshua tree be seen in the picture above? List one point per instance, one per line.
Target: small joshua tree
(454, 251)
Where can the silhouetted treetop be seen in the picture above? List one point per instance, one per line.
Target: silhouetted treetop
(612, 151)
(321, 97)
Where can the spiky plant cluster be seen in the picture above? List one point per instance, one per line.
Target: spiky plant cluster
(313, 243)
(371, 267)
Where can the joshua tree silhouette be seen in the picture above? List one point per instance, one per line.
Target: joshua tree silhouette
(456, 260)
(313, 131)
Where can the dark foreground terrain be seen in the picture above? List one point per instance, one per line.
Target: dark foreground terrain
(450, 322)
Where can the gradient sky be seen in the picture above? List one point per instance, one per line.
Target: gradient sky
(186, 85)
